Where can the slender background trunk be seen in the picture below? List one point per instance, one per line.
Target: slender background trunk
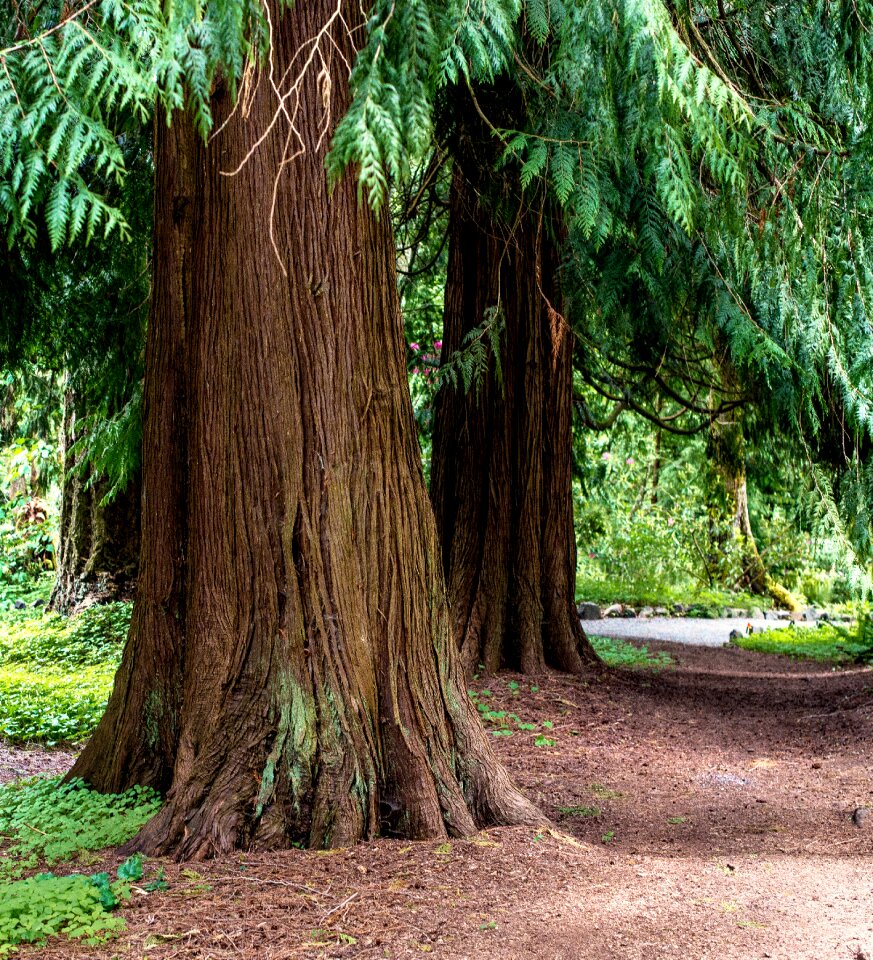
(98, 543)
(728, 454)
(290, 675)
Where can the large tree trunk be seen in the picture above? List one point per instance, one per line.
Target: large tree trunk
(290, 675)
(98, 543)
(501, 469)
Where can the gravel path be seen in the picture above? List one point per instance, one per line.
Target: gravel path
(691, 630)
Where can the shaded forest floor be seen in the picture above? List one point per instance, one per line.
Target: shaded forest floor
(701, 811)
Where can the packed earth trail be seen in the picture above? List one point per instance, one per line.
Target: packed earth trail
(701, 810)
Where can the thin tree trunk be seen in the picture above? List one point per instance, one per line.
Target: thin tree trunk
(501, 469)
(98, 543)
(656, 460)
(290, 675)
(728, 453)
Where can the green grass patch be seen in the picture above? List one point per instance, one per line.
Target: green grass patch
(701, 602)
(56, 672)
(580, 811)
(823, 642)
(621, 653)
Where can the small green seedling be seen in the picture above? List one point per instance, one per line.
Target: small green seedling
(159, 882)
(599, 790)
(580, 811)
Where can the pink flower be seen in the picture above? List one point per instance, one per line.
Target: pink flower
(414, 346)
(415, 369)
(438, 344)
(670, 521)
(606, 455)
(630, 461)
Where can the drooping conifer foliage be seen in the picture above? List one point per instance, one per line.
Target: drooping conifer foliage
(700, 159)
(744, 126)
(713, 134)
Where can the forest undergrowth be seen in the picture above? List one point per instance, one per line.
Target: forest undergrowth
(669, 784)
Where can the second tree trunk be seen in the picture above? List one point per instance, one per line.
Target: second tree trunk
(501, 475)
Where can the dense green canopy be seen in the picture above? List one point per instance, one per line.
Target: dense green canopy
(710, 161)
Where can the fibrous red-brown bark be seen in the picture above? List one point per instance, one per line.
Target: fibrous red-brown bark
(501, 469)
(290, 675)
(98, 543)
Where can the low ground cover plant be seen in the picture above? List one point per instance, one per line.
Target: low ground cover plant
(45, 905)
(505, 723)
(621, 653)
(44, 822)
(52, 706)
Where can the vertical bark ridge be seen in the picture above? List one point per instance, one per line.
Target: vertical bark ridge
(136, 741)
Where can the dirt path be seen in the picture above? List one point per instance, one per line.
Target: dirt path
(18, 762)
(694, 631)
(723, 789)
